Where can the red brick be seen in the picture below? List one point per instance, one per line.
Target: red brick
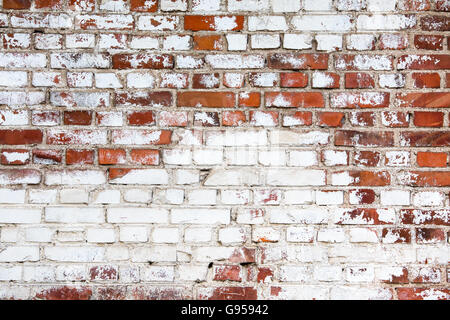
(395, 119)
(111, 156)
(425, 138)
(428, 42)
(16, 137)
(205, 80)
(330, 119)
(148, 157)
(233, 118)
(364, 138)
(206, 119)
(249, 99)
(401, 235)
(144, 99)
(48, 4)
(80, 118)
(298, 61)
(16, 4)
(142, 61)
(426, 217)
(424, 62)
(365, 196)
(294, 99)
(430, 235)
(426, 179)
(432, 159)
(362, 119)
(143, 5)
(355, 216)
(359, 80)
(103, 273)
(65, 293)
(141, 118)
(206, 99)
(369, 178)
(230, 293)
(435, 23)
(19, 156)
(42, 156)
(424, 100)
(227, 273)
(426, 80)
(299, 118)
(210, 23)
(80, 156)
(367, 158)
(213, 42)
(293, 80)
(428, 119)
(423, 293)
(360, 100)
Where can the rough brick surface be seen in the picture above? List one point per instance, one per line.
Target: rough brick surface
(224, 149)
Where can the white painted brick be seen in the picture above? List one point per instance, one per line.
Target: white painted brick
(297, 41)
(74, 215)
(272, 158)
(328, 273)
(176, 42)
(363, 235)
(234, 197)
(300, 234)
(265, 41)
(200, 216)
(202, 197)
(184, 176)
(70, 273)
(165, 235)
(428, 199)
(10, 273)
(331, 235)
(19, 254)
(208, 156)
(335, 158)
(329, 43)
(73, 196)
(140, 80)
(392, 81)
(75, 254)
(385, 22)
(299, 196)
(133, 234)
(39, 234)
(304, 216)
(158, 273)
(241, 157)
(100, 235)
(237, 42)
(137, 215)
(38, 273)
(302, 158)
(280, 6)
(12, 196)
(197, 234)
(334, 23)
(20, 215)
(329, 197)
(293, 177)
(323, 5)
(173, 5)
(267, 23)
(13, 79)
(9, 234)
(381, 5)
(192, 272)
(232, 235)
(248, 5)
(177, 157)
(361, 42)
(205, 5)
(107, 197)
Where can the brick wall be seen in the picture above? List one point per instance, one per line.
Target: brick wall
(213, 149)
